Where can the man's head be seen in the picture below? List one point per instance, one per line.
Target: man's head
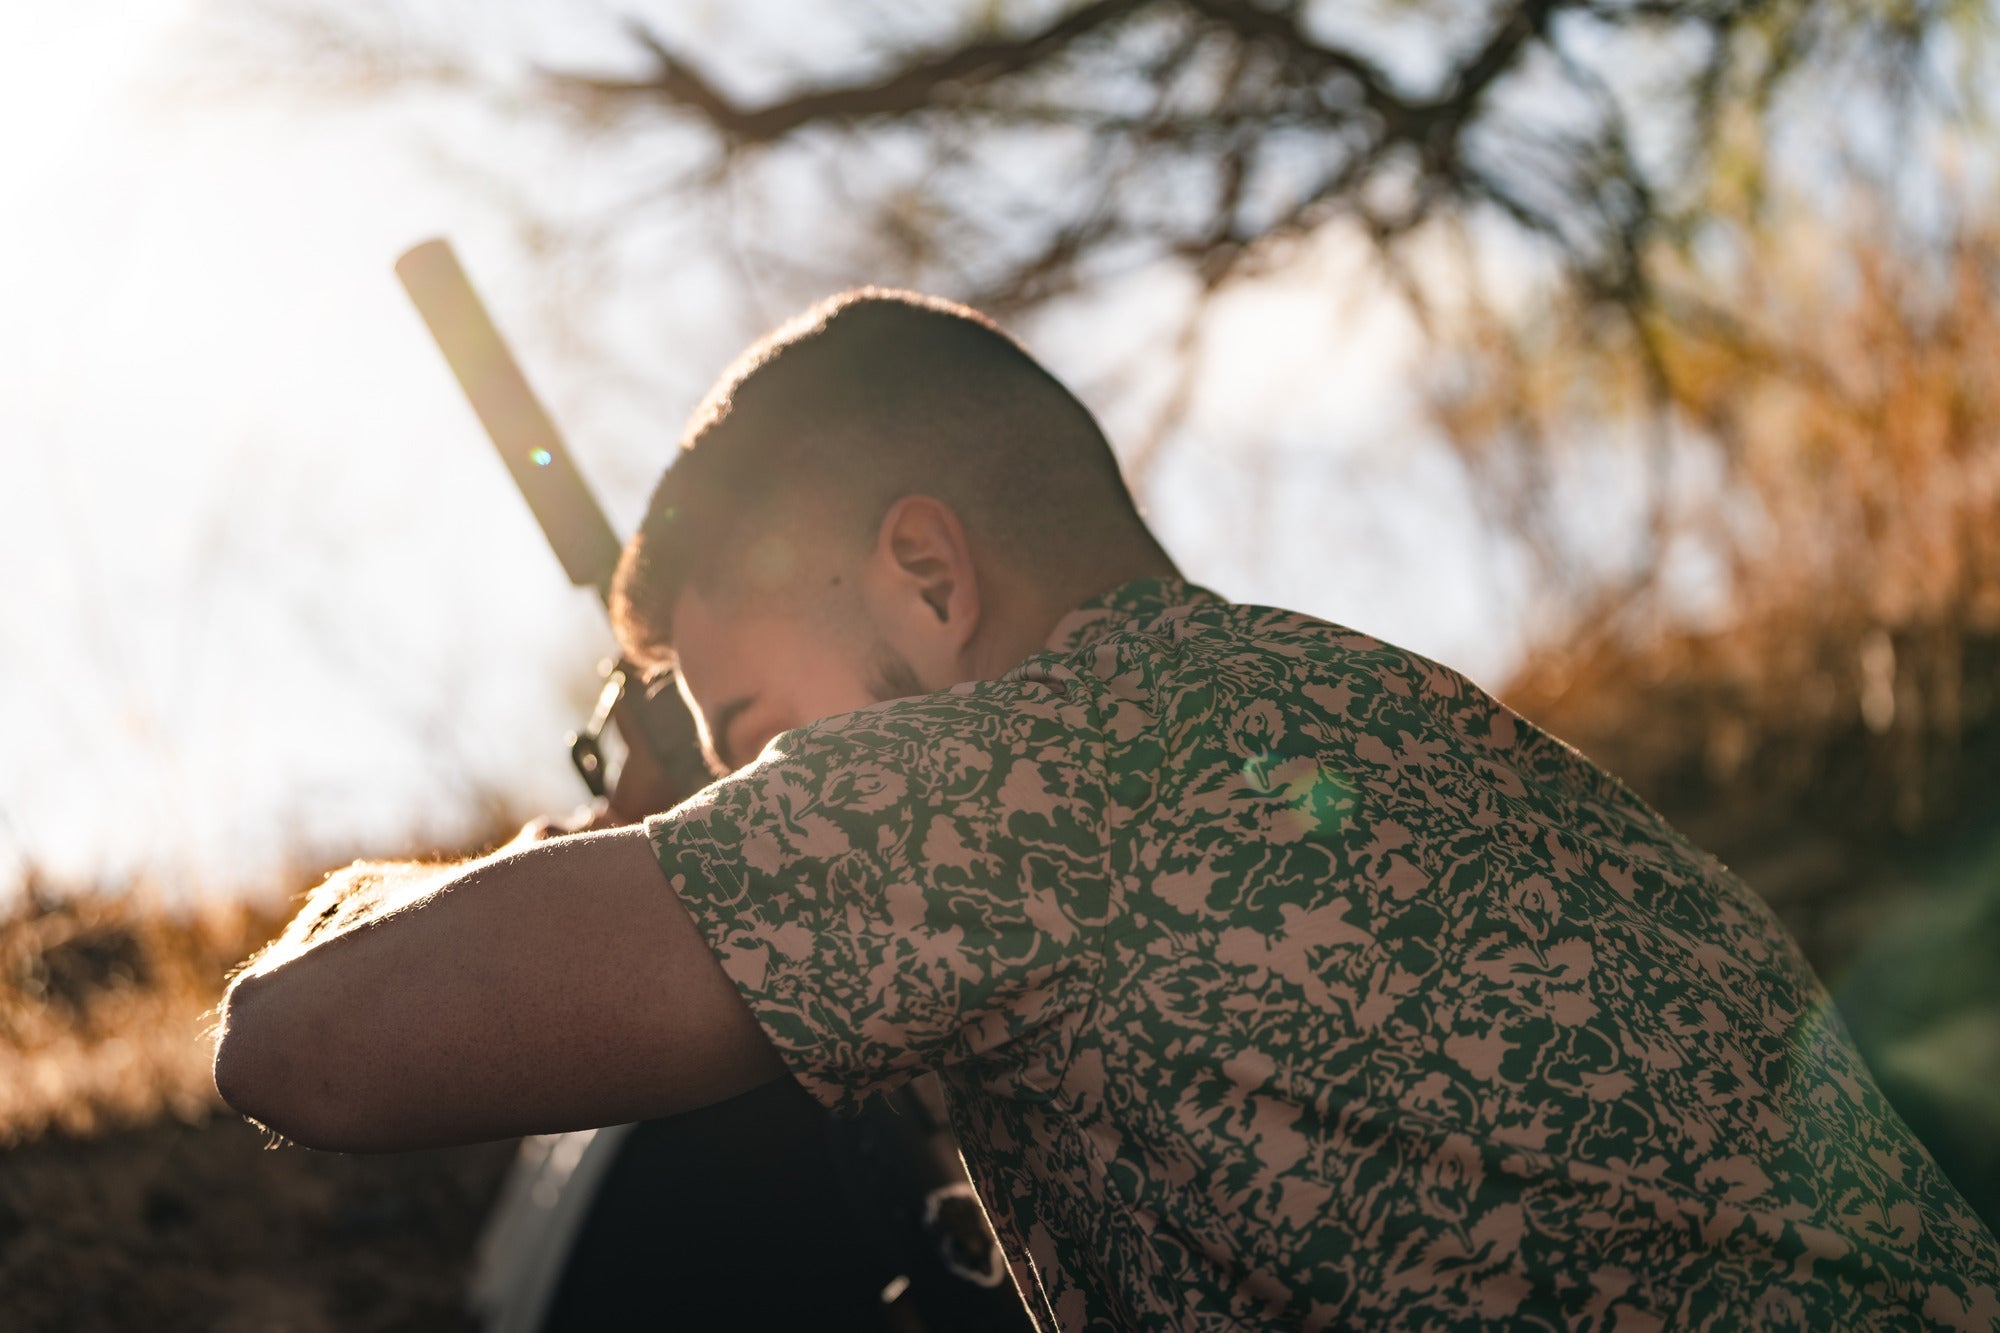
(885, 496)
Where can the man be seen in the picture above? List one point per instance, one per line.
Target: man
(1278, 977)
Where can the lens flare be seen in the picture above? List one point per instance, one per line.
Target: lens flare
(540, 457)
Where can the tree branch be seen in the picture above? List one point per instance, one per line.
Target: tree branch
(917, 86)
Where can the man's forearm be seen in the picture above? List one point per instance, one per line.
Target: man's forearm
(552, 985)
(358, 895)
(349, 900)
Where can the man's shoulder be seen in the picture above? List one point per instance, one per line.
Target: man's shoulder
(1204, 638)
(1188, 614)
(1274, 680)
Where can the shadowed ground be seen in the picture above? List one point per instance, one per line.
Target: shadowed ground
(198, 1227)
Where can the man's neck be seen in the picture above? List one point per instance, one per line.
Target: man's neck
(1027, 614)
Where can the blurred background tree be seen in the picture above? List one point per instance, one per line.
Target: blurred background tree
(1704, 294)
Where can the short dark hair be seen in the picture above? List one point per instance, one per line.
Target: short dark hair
(865, 398)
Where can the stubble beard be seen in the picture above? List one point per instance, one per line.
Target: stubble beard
(890, 676)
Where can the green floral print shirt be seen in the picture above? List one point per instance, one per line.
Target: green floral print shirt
(1280, 978)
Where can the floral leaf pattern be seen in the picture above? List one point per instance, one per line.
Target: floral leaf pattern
(1281, 978)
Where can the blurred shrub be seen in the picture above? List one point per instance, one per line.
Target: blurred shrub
(1843, 401)
(104, 1008)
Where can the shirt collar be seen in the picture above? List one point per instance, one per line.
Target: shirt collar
(1124, 606)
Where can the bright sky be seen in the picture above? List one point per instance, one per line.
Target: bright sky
(272, 599)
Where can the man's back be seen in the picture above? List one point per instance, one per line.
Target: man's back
(1282, 978)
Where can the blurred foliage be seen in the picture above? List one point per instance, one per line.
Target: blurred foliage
(104, 1006)
(1005, 150)
(1842, 402)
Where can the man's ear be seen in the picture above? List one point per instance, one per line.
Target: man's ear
(924, 559)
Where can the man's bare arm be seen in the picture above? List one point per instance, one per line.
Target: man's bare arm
(551, 986)
(352, 896)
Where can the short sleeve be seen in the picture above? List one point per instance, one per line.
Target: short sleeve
(917, 885)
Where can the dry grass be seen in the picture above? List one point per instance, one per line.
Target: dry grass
(1847, 394)
(104, 1010)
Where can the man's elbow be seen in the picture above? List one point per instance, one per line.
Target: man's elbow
(259, 1073)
